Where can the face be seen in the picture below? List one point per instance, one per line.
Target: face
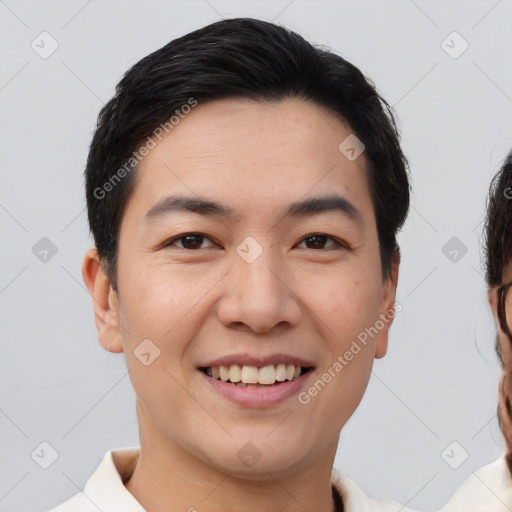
(248, 249)
(504, 343)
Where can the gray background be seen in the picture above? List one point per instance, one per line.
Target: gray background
(438, 382)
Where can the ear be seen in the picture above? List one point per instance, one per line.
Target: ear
(104, 301)
(387, 309)
(492, 297)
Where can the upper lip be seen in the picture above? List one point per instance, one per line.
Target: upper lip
(252, 360)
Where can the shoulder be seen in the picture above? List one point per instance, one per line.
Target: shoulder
(489, 488)
(105, 488)
(356, 500)
(78, 502)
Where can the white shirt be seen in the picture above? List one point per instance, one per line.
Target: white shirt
(105, 489)
(487, 490)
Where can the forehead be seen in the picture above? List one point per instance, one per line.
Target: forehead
(253, 155)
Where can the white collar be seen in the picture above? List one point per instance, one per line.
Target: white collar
(105, 489)
(488, 489)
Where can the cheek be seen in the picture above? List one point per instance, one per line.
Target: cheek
(347, 306)
(155, 299)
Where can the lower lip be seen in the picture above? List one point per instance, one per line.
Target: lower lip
(258, 397)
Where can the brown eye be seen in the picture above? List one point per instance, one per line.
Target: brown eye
(190, 241)
(318, 241)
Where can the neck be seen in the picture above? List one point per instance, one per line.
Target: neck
(166, 473)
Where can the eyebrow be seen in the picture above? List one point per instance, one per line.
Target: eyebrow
(207, 207)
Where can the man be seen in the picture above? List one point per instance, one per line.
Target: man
(244, 190)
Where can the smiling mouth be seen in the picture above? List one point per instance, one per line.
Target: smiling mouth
(254, 376)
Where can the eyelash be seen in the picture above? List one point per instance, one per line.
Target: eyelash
(169, 242)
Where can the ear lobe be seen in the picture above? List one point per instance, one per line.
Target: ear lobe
(388, 305)
(381, 347)
(104, 301)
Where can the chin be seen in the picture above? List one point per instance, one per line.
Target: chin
(257, 460)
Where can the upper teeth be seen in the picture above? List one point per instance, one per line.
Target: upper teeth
(253, 374)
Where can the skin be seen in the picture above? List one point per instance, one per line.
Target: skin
(200, 304)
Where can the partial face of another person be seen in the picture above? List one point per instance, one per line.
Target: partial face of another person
(250, 240)
(501, 304)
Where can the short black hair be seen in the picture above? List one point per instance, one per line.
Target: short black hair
(239, 58)
(498, 224)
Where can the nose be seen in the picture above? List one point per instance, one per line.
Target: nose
(259, 296)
